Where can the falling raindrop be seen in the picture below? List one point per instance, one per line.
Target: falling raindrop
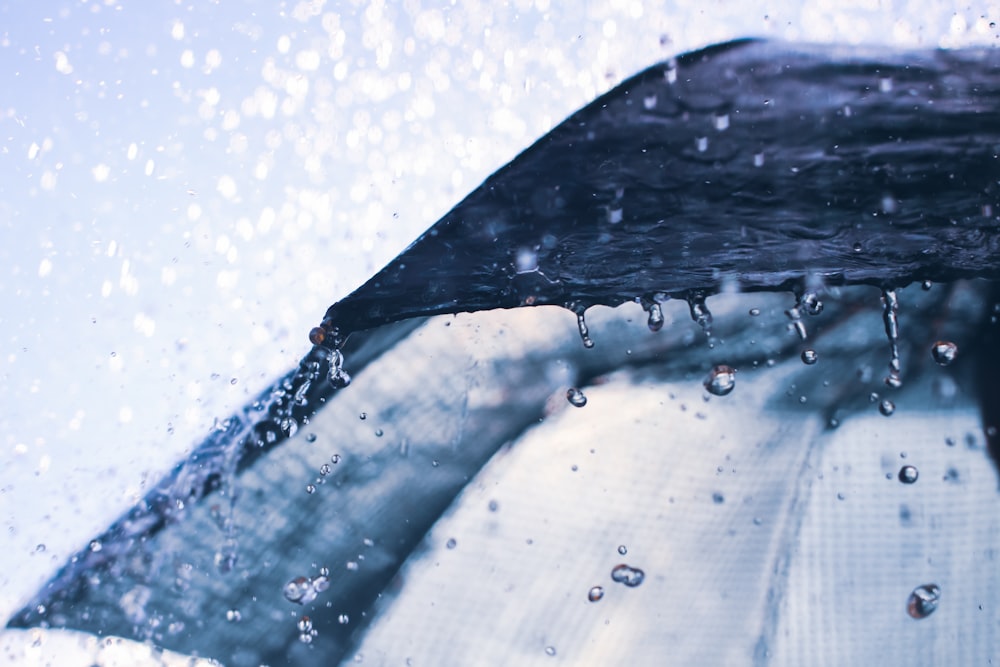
(625, 574)
(890, 308)
(721, 380)
(944, 352)
(595, 593)
(581, 324)
(700, 312)
(809, 357)
(908, 474)
(923, 601)
(576, 397)
(886, 407)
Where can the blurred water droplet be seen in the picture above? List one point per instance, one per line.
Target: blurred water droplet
(944, 352)
(335, 459)
(720, 121)
(718, 498)
(809, 357)
(721, 380)
(325, 469)
(886, 407)
(40, 548)
(451, 543)
(310, 488)
(701, 143)
(95, 546)
(363, 416)
(908, 474)
(622, 549)
(885, 84)
(576, 397)
(923, 601)
(926, 285)
(296, 589)
(595, 593)
(343, 619)
(550, 650)
(493, 506)
(317, 335)
(758, 159)
(754, 312)
(625, 574)
(379, 433)
(233, 615)
(311, 437)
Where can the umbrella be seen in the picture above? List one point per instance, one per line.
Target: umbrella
(749, 169)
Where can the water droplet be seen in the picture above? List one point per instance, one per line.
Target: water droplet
(754, 312)
(908, 474)
(701, 143)
(758, 159)
(493, 506)
(343, 619)
(305, 624)
(926, 285)
(311, 437)
(379, 433)
(857, 247)
(890, 308)
(95, 546)
(721, 380)
(296, 589)
(325, 469)
(809, 357)
(720, 121)
(581, 324)
(335, 459)
(595, 593)
(317, 335)
(718, 498)
(630, 576)
(363, 416)
(649, 102)
(885, 84)
(622, 549)
(700, 312)
(310, 488)
(40, 548)
(809, 302)
(886, 407)
(576, 397)
(655, 321)
(451, 543)
(923, 601)
(234, 615)
(550, 650)
(944, 352)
